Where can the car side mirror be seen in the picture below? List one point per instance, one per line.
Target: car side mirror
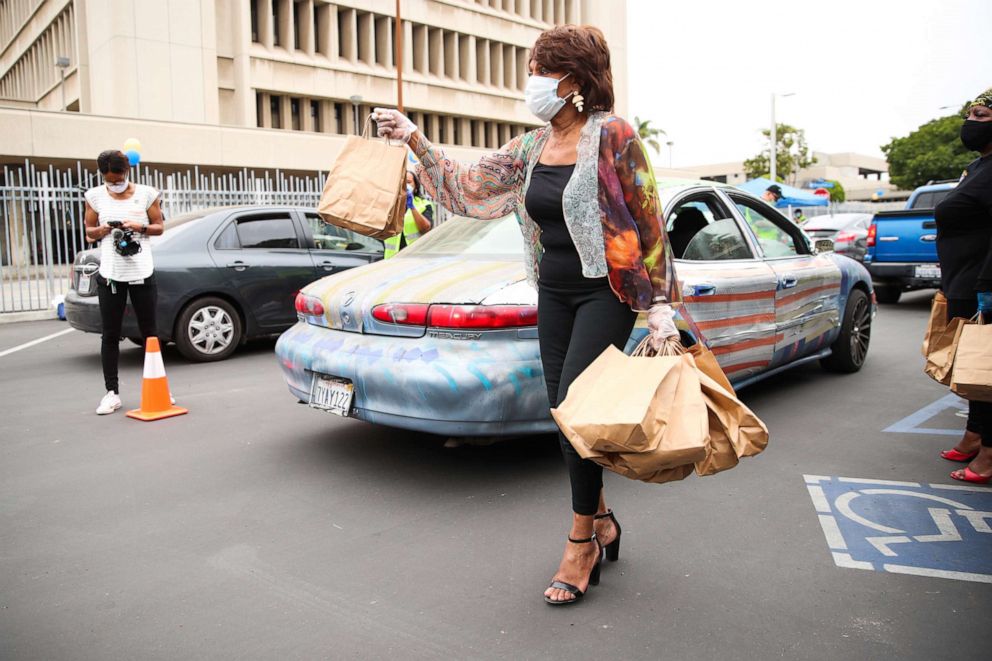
(824, 245)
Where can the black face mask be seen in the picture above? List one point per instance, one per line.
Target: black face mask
(976, 135)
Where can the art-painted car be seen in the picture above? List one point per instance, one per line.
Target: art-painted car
(443, 337)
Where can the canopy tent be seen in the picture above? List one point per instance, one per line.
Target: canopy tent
(791, 196)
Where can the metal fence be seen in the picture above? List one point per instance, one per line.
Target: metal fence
(41, 217)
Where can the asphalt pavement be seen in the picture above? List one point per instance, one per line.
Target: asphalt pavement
(256, 528)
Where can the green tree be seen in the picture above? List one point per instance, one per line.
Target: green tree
(791, 155)
(837, 193)
(648, 135)
(931, 152)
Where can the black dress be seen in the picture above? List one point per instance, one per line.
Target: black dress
(964, 248)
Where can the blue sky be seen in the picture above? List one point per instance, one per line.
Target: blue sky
(863, 70)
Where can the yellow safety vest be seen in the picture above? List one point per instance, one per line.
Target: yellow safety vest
(410, 230)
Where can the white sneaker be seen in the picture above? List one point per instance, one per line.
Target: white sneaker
(110, 403)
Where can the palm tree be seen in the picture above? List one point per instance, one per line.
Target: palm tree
(647, 134)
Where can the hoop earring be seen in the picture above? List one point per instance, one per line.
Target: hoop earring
(579, 102)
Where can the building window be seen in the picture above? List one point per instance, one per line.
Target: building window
(296, 122)
(260, 109)
(254, 20)
(315, 116)
(275, 107)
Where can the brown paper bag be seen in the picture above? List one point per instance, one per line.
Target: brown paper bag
(707, 363)
(734, 430)
(637, 416)
(364, 189)
(939, 341)
(937, 322)
(971, 377)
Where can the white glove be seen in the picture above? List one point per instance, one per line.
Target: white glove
(661, 325)
(393, 124)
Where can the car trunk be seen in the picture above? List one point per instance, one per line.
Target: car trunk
(349, 298)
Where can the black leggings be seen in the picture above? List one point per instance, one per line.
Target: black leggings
(574, 326)
(979, 413)
(113, 300)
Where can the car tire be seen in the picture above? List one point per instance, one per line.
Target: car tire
(136, 341)
(208, 329)
(850, 349)
(888, 294)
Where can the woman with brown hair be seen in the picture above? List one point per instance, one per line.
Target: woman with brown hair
(595, 246)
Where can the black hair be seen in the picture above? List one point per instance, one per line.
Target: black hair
(418, 189)
(112, 160)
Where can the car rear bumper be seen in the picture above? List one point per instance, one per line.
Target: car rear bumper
(83, 313)
(439, 386)
(901, 273)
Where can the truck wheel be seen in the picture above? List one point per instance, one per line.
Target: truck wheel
(850, 349)
(208, 329)
(888, 293)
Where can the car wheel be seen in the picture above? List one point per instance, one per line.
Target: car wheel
(888, 293)
(850, 349)
(137, 341)
(208, 329)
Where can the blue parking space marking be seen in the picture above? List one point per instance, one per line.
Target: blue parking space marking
(912, 424)
(938, 530)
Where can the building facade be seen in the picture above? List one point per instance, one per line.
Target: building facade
(864, 178)
(269, 83)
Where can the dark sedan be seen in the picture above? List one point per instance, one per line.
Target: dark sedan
(848, 231)
(227, 275)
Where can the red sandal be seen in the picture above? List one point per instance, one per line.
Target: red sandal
(969, 475)
(954, 455)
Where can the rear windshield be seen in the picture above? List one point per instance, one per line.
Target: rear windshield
(465, 236)
(930, 199)
(174, 226)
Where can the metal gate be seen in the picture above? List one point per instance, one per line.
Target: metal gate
(41, 217)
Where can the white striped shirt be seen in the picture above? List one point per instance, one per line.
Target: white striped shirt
(135, 209)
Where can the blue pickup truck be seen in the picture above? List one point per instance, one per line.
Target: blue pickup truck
(902, 245)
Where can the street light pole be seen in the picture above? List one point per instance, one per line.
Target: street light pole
(62, 62)
(355, 100)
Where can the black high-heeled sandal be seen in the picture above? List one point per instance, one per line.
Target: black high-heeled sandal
(612, 550)
(572, 589)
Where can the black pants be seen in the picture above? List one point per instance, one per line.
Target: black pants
(574, 326)
(113, 300)
(979, 413)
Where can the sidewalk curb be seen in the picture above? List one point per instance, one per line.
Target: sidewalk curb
(32, 315)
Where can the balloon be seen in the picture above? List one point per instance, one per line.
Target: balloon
(132, 144)
(133, 157)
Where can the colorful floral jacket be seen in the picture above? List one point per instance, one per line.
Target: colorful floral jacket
(610, 204)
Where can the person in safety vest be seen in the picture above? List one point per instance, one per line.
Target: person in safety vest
(416, 222)
(799, 217)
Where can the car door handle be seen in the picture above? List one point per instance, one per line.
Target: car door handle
(788, 281)
(703, 289)
(328, 265)
(238, 265)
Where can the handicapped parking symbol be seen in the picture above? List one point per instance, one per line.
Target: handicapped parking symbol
(906, 527)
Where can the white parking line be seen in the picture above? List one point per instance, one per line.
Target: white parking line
(34, 342)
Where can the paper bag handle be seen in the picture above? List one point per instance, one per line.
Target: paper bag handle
(672, 347)
(368, 127)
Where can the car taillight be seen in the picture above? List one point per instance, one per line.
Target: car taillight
(482, 316)
(407, 314)
(309, 305)
(872, 233)
(844, 236)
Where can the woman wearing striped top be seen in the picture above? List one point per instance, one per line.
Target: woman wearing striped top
(120, 203)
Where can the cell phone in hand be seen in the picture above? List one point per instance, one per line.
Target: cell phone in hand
(114, 223)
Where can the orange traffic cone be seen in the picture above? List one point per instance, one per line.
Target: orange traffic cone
(155, 399)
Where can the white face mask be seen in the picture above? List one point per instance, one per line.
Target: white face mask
(541, 96)
(117, 188)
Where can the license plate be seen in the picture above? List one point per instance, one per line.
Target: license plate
(929, 272)
(84, 283)
(333, 394)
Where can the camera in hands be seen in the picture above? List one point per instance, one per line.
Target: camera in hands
(125, 243)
